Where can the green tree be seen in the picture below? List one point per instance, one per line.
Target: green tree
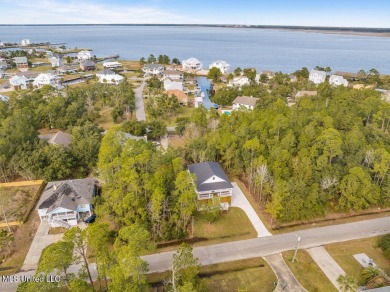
(117, 114)
(347, 283)
(369, 273)
(215, 74)
(79, 239)
(151, 59)
(79, 285)
(58, 256)
(384, 244)
(184, 270)
(237, 71)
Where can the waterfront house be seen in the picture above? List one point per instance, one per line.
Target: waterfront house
(239, 81)
(107, 76)
(192, 64)
(21, 63)
(18, 82)
(173, 74)
(337, 80)
(305, 93)
(180, 95)
(248, 102)
(25, 43)
(221, 65)
(211, 181)
(112, 65)
(60, 139)
(87, 65)
(153, 70)
(348, 75)
(64, 203)
(317, 76)
(268, 73)
(84, 55)
(44, 79)
(173, 84)
(55, 61)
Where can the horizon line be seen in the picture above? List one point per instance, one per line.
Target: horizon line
(312, 27)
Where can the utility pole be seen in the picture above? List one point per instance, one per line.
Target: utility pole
(296, 249)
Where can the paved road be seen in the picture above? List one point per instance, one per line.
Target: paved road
(286, 279)
(263, 246)
(139, 102)
(327, 264)
(239, 200)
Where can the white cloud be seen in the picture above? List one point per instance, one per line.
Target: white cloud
(83, 12)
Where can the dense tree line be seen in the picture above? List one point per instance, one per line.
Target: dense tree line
(145, 186)
(76, 111)
(327, 153)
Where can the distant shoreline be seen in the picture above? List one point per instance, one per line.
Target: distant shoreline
(354, 31)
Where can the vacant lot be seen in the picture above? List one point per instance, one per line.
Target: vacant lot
(16, 201)
(307, 272)
(244, 275)
(343, 254)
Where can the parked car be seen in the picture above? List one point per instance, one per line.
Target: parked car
(90, 219)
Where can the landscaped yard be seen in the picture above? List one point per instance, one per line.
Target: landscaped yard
(232, 225)
(244, 275)
(307, 272)
(343, 254)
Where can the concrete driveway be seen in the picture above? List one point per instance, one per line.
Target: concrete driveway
(327, 264)
(286, 279)
(41, 240)
(239, 200)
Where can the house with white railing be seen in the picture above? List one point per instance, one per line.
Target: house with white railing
(317, 76)
(64, 203)
(107, 76)
(192, 64)
(153, 70)
(211, 183)
(337, 80)
(239, 81)
(45, 79)
(84, 55)
(221, 65)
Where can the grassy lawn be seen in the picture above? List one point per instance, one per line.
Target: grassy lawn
(343, 253)
(307, 272)
(130, 64)
(232, 225)
(105, 121)
(244, 275)
(24, 235)
(183, 111)
(176, 141)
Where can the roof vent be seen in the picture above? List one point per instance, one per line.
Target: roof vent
(55, 187)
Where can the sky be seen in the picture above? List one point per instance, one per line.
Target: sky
(343, 13)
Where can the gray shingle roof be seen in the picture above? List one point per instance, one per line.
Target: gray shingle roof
(61, 138)
(21, 60)
(67, 194)
(152, 66)
(206, 170)
(106, 72)
(247, 100)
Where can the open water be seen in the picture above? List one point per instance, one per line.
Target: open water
(275, 50)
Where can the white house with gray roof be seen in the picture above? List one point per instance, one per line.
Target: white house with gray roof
(153, 70)
(337, 80)
(248, 102)
(192, 64)
(211, 182)
(317, 76)
(107, 76)
(64, 203)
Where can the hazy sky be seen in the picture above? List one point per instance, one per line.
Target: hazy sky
(357, 13)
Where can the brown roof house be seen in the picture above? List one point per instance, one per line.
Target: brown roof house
(87, 65)
(248, 102)
(211, 182)
(59, 138)
(64, 203)
(180, 95)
